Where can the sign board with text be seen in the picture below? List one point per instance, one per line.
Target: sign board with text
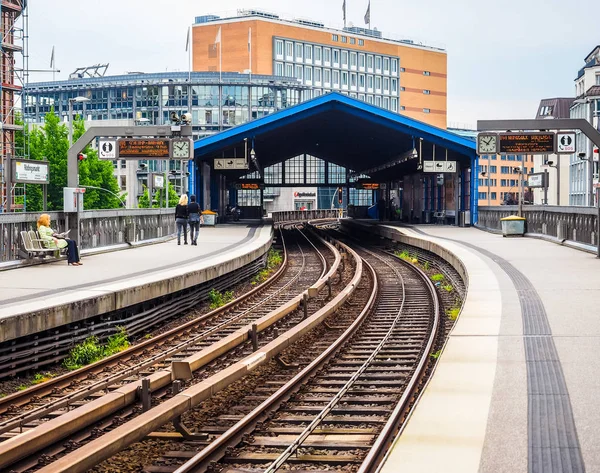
(537, 180)
(31, 171)
(526, 143)
(107, 149)
(565, 143)
(228, 164)
(143, 148)
(439, 166)
(249, 186)
(158, 181)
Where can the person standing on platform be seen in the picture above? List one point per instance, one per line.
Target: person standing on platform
(381, 209)
(58, 240)
(181, 219)
(194, 218)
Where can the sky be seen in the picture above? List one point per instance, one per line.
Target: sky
(503, 57)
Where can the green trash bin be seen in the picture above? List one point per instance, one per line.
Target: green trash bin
(513, 226)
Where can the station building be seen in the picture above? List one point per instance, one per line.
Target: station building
(395, 74)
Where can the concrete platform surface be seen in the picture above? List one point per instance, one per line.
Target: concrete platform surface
(515, 388)
(39, 297)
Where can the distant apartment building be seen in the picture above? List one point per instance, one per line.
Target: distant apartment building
(583, 176)
(557, 166)
(397, 75)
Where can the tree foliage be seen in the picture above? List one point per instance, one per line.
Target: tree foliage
(51, 142)
(144, 200)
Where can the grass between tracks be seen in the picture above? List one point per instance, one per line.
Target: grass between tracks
(90, 350)
(274, 259)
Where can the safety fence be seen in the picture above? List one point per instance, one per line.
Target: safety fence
(577, 224)
(98, 228)
(306, 215)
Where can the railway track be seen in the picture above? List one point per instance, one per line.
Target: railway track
(342, 410)
(43, 414)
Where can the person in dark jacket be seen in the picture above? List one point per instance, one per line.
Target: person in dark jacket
(181, 219)
(194, 219)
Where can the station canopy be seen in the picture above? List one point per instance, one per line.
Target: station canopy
(341, 130)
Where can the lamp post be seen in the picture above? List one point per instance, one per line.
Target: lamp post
(71, 102)
(110, 192)
(557, 166)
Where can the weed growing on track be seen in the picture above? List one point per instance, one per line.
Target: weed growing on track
(90, 350)
(448, 287)
(274, 259)
(218, 299)
(437, 277)
(453, 313)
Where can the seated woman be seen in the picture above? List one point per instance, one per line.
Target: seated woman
(52, 240)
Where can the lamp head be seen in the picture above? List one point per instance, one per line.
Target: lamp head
(175, 118)
(581, 155)
(414, 153)
(549, 163)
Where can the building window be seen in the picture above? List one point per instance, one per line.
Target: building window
(336, 78)
(386, 103)
(344, 79)
(315, 170)
(298, 51)
(370, 62)
(394, 66)
(345, 59)
(279, 49)
(378, 100)
(327, 76)
(361, 42)
(361, 97)
(278, 69)
(386, 64)
(394, 104)
(289, 70)
(597, 78)
(308, 52)
(308, 74)
(493, 195)
(505, 170)
(426, 110)
(317, 53)
(402, 69)
(369, 99)
(327, 56)
(386, 84)
(370, 82)
(546, 111)
(336, 57)
(317, 75)
(402, 107)
(402, 89)
(294, 170)
(353, 79)
(427, 92)
(334, 37)
(353, 60)
(299, 73)
(352, 40)
(378, 63)
(378, 83)
(344, 39)
(394, 86)
(289, 50)
(426, 73)
(361, 81)
(483, 195)
(493, 169)
(361, 61)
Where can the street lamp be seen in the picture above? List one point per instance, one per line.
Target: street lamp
(71, 102)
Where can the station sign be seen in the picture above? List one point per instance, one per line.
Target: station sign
(440, 166)
(107, 149)
(151, 148)
(31, 171)
(158, 181)
(565, 143)
(537, 180)
(527, 143)
(249, 186)
(372, 186)
(229, 164)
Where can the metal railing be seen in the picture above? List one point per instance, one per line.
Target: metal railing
(306, 215)
(577, 224)
(98, 228)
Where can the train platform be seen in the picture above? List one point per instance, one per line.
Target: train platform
(41, 297)
(514, 388)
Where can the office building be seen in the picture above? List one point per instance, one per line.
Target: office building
(398, 75)
(583, 176)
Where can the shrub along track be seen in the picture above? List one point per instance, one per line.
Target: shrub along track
(303, 266)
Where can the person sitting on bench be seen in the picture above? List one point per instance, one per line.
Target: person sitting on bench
(58, 240)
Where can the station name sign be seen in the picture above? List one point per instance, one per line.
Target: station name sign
(526, 143)
(144, 148)
(31, 171)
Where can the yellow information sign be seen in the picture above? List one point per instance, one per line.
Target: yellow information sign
(144, 148)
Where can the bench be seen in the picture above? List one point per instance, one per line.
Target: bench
(33, 246)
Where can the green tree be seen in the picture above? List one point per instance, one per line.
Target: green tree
(54, 144)
(33, 192)
(98, 173)
(144, 200)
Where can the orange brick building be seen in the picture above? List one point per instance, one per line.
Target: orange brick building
(397, 75)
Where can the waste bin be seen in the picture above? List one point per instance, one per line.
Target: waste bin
(513, 226)
(210, 218)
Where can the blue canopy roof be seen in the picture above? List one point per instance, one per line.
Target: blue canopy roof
(339, 129)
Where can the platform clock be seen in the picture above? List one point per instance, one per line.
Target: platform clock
(181, 149)
(487, 143)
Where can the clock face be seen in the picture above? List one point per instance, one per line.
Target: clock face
(487, 144)
(181, 149)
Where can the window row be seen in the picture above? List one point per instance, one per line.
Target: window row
(335, 37)
(313, 54)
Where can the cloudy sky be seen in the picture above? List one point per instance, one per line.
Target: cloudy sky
(503, 57)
